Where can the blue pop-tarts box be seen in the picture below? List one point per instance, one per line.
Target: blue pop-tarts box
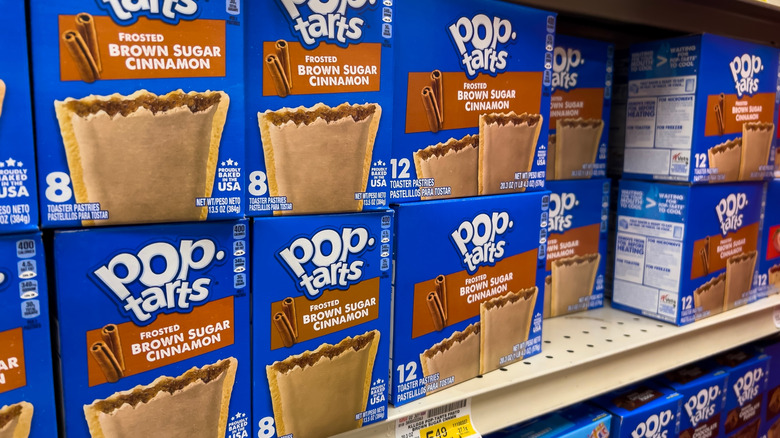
(27, 400)
(579, 421)
(18, 190)
(469, 280)
(163, 348)
(576, 246)
(319, 106)
(685, 252)
(770, 401)
(748, 371)
(472, 99)
(701, 109)
(582, 83)
(703, 388)
(767, 281)
(139, 111)
(645, 409)
(321, 332)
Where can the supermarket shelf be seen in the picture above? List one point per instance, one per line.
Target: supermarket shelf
(747, 19)
(588, 354)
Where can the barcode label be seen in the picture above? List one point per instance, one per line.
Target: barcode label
(446, 408)
(455, 415)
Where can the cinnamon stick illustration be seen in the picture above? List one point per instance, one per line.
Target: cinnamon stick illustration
(276, 71)
(437, 303)
(85, 24)
(283, 53)
(107, 362)
(82, 56)
(110, 335)
(286, 323)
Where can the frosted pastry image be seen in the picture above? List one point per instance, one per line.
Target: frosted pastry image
(2, 96)
(726, 158)
(453, 164)
(774, 278)
(504, 323)
(507, 146)
(456, 356)
(143, 157)
(708, 298)
(194, 404)
(319, 157)
(304, 400)
(16, 420)
(576, 147)
(573, 279)
(756, 144)
(774, 430)
(547, 292)
(551, 142)
(739, 278)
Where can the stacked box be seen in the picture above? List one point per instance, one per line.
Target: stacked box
(468, 278)
(321, 323)
(701, 109)
(643, 410)
(576, 246)
(139, 111)
(18, 190)
(767, 280)
(747, 383)
(27, 407)
(770, 402)
(703, 389)
(685, 252)
(153, 327)
(319, 106)
(582, 420)
(579, 108)
(471, 99)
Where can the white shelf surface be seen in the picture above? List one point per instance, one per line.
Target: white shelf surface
(587, 354)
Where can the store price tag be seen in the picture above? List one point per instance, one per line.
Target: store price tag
(451, 421)
(776, 316)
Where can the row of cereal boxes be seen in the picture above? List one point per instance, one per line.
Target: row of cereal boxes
(177, 329)
(187, 111)
(734, 394)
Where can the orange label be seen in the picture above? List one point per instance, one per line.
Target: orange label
(328, 68)
(12, 372)
(169, 339)
(574, 242)
(151, 49)
(335, 310)
(464, 99)
(465, 292)
(587, 103)
(757, 108)
(719, 249)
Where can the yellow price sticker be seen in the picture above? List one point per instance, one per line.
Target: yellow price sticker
(460, 427)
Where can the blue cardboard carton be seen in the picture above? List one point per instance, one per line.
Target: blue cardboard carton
(701, 109)
(471, 99)
(685, 252)
(321, 309)
(770, 402)
(319, 105)
(139, 111)
(703, 388)
(153, 326)
(18, 189)
(27, 403)
(469, 275)
(645, 409)
(748, 372)
(576, 246)
(580, 108)
(767, 281)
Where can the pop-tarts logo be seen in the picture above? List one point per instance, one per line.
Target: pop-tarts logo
(480, 41)
(333, 21)
(729, 210)
(560, 206)
(746, 387)
(701, 406)
(159, 278)
(564, 63)
(170, 11)
(478, 241)
(744, 69)
(654, 426)
(327, 260)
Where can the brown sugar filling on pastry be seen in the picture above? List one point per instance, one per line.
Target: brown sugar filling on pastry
(170, 386)
(512, 297)
(586, 123)
(447, 343)
(515, 119)
(306, 117)
(10, 413)
(119, 105)
(441, 149)
(330, 351)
